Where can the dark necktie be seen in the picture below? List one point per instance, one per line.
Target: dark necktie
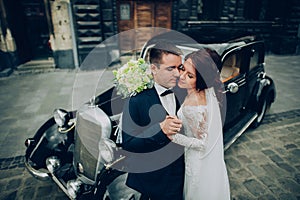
(166, 93)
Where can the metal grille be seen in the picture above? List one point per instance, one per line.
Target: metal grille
(91, 126)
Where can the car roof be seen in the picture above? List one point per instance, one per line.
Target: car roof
(220, 42)
(218, 35)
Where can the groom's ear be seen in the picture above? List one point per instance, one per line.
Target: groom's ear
(153, 68)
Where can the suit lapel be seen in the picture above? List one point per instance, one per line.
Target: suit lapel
(154, 98)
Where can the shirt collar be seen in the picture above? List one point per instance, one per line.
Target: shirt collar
(160, 89)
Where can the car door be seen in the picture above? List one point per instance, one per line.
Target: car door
(256, 68)
(233, 75)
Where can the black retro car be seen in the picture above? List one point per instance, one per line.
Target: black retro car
(79, 151)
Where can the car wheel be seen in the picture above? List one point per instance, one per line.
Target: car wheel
(261, 114)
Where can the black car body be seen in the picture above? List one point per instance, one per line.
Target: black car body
(80, 153)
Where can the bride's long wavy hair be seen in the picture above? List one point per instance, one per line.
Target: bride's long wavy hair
(207, 63)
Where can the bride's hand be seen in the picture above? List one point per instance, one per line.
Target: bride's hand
(171, 125)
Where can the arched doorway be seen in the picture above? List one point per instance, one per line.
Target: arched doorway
(27, 20)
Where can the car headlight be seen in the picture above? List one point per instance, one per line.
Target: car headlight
(61, 117)
(106, 147)
(29, 142)
(52, 164)
(73, 187)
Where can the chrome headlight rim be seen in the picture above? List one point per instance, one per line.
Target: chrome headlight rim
(61, 117)
(53, 164)
(73, 187)
(106, 150)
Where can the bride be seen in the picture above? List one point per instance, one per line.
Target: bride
(205, 170)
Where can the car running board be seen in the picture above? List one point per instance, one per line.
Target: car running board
(239, 129)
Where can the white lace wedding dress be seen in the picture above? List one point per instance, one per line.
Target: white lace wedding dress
(205, 170)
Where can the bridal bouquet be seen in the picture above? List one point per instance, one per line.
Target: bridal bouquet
(133, 77)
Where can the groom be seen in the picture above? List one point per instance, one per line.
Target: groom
(156, 165)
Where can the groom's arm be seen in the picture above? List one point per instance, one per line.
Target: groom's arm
(138, 137)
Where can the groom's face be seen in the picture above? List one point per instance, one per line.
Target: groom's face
(166, 73)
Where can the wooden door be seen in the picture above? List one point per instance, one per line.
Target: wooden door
(144, 17)
(142, 14)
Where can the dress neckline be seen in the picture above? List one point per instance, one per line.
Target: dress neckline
(194, 105)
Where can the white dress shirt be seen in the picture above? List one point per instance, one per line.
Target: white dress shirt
(167, 101)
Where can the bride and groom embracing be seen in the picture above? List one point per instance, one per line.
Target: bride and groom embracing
(175, 138)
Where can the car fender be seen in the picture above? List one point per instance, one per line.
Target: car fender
(46, 141)
(266, 89)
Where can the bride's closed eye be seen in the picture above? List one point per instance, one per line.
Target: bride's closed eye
(191, 75)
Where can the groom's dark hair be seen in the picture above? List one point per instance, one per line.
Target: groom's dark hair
(160, 48)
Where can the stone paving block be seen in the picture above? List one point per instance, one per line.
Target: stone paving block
(233, 163)
(297, 178)
(269, 182)
(242, 173)
(256, 170)
(268, 152)
(266, 197)
(243, 196)
(244, 159)
(255, 187)
(13, 184)
(253, 146)
(280, 151)
(287, 196)
(45, 190)
(273, 171)
(290, 146)
(9, 196)
(290, 185)
(276, 159)
(27, 194)
(286, 167)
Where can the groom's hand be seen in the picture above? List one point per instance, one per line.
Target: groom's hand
(171, 125)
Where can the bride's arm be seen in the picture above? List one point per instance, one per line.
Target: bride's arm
(189, 142)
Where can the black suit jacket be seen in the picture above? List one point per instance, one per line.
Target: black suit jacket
(155, 164)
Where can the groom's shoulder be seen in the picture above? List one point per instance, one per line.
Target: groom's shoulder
(147, 92)
(144, 94)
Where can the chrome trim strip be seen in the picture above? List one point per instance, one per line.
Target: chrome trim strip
(241, 81)
(241, 84)
(38, 144)
(60, 185)
(36, 173)
(240, 132)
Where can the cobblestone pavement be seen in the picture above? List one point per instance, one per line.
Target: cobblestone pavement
(263, 163)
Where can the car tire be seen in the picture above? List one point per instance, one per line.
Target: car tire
(261, 113)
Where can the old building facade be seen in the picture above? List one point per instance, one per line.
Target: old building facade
(67, 30)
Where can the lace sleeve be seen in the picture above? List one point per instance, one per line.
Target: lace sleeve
(190, 142)
(195, 127)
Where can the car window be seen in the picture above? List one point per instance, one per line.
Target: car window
(254, 60)
(257, 55)
(231, 67)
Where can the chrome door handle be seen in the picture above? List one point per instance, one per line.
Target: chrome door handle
(232, 87)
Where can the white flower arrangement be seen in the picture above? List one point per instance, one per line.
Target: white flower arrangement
(133, 77)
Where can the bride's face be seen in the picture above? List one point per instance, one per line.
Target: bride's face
(187, 77)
